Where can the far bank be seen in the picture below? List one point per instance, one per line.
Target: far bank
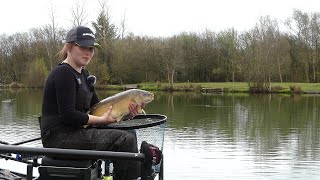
(225, 87)
(231, 87)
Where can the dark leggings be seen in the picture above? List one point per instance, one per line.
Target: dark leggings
(97, 139)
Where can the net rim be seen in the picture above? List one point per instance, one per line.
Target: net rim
(157, 119)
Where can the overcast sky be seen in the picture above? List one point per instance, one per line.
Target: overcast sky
(154, 17)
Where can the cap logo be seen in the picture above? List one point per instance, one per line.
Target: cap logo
(88, 34)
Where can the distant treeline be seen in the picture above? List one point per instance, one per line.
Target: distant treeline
(262, 54)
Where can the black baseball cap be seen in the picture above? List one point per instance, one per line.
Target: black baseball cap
(83, 36)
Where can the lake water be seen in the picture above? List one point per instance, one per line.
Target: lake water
(209, 136)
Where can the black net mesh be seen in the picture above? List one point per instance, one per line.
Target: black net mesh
(149, 128)
(153, 135)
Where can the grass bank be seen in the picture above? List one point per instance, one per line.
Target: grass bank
(233, 87)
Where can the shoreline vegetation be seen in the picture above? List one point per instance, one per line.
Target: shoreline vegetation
(261, 55)
(206, 87)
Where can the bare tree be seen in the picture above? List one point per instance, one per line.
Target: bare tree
(314, 43)
(301, 31)
(49, 33)
(228, 53)
(123, 26)
(173, 58)
(259, 52)
(79, 14)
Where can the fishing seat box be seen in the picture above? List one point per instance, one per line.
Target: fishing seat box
(69, 169)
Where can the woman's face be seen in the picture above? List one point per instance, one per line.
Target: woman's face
(81, 55)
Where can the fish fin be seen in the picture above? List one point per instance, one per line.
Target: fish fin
(119, 118)
(85, 126)
(142, 110)
(139, 109)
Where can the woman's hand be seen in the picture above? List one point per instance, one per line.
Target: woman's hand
(133, 108)
(106, 118)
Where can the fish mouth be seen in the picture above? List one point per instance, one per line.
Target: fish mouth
(151, 98)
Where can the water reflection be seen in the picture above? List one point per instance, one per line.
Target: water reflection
(243, 137)
(210, 136)
(18, 115)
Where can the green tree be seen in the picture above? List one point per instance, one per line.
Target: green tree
(105, 35)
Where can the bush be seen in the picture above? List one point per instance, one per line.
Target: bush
(15, 85)
(259, 87)
(193, 87)
(39, 70)
(295, 89)
(168, 88)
